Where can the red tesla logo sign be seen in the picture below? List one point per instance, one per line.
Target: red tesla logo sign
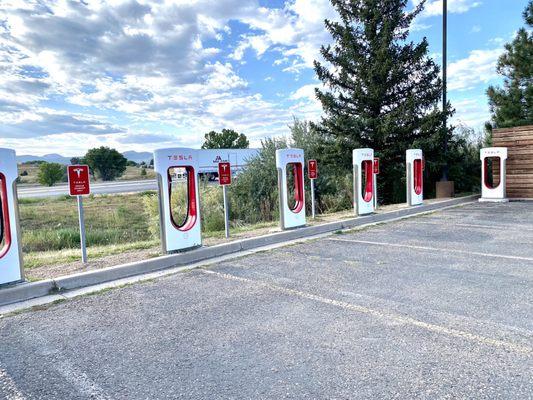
(376, 165)
(224, 173)
(312, 169)
(78, 180)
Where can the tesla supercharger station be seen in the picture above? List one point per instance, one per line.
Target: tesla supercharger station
(415, 176)
(174, 168)
(489, 190)
(290, 165)
(10, 252)
(363, 181)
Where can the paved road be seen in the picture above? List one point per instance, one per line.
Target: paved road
(96, 188)
(431, 307)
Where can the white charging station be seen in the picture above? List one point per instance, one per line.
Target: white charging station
(363, 181)
(291, 206)
(415, 176)
(177, 167)
(490, 191)
(10, 249)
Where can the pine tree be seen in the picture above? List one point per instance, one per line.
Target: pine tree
(512, 105)
(381, 90)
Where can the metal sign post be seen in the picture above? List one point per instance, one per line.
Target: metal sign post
(313, 198)
(224, 179)
(79, 186)
(226, 211)
(82, 230)
(313, 174)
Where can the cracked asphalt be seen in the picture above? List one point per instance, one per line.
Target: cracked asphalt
(439, 306)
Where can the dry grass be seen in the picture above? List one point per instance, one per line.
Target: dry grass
(52, 223)
(134, 174)
(31, 170)
(52, 258)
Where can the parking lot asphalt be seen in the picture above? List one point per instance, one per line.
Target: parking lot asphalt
(437, 306)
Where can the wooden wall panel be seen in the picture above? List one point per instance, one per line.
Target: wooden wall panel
(519, 142)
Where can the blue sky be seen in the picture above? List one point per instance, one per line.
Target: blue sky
(143, 74)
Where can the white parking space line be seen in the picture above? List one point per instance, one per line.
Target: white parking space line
(397, 318)
(8, 387)
(452, 224)
(68, 371)
(427, 248)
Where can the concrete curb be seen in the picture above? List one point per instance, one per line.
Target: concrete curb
(31, 290)
(25, 291)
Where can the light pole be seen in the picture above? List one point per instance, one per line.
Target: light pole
(444, 89)
(445, 188)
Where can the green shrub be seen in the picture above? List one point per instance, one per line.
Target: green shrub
(465, 166)
(151, 210)
(28, 200)
(68, 238)
(254, 193)
(211, 208)
(50, 173)
(336, 194)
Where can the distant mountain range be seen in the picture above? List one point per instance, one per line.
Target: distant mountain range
(58, 158)
(138, 157)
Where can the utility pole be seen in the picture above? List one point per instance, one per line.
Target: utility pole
(444, 88)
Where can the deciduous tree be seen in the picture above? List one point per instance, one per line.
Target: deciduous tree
(105, 163)
(50, 173)
(227, 139)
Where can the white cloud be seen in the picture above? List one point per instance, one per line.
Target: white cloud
(74, 42)
(434, 7)
(305, 92)
(472, 112)
(417, 26)
(45, 122)
(478, 67)
(148, 138)
(307, 105)
(497, 41)
(144, 59)
(258, 43)
(297, 31)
